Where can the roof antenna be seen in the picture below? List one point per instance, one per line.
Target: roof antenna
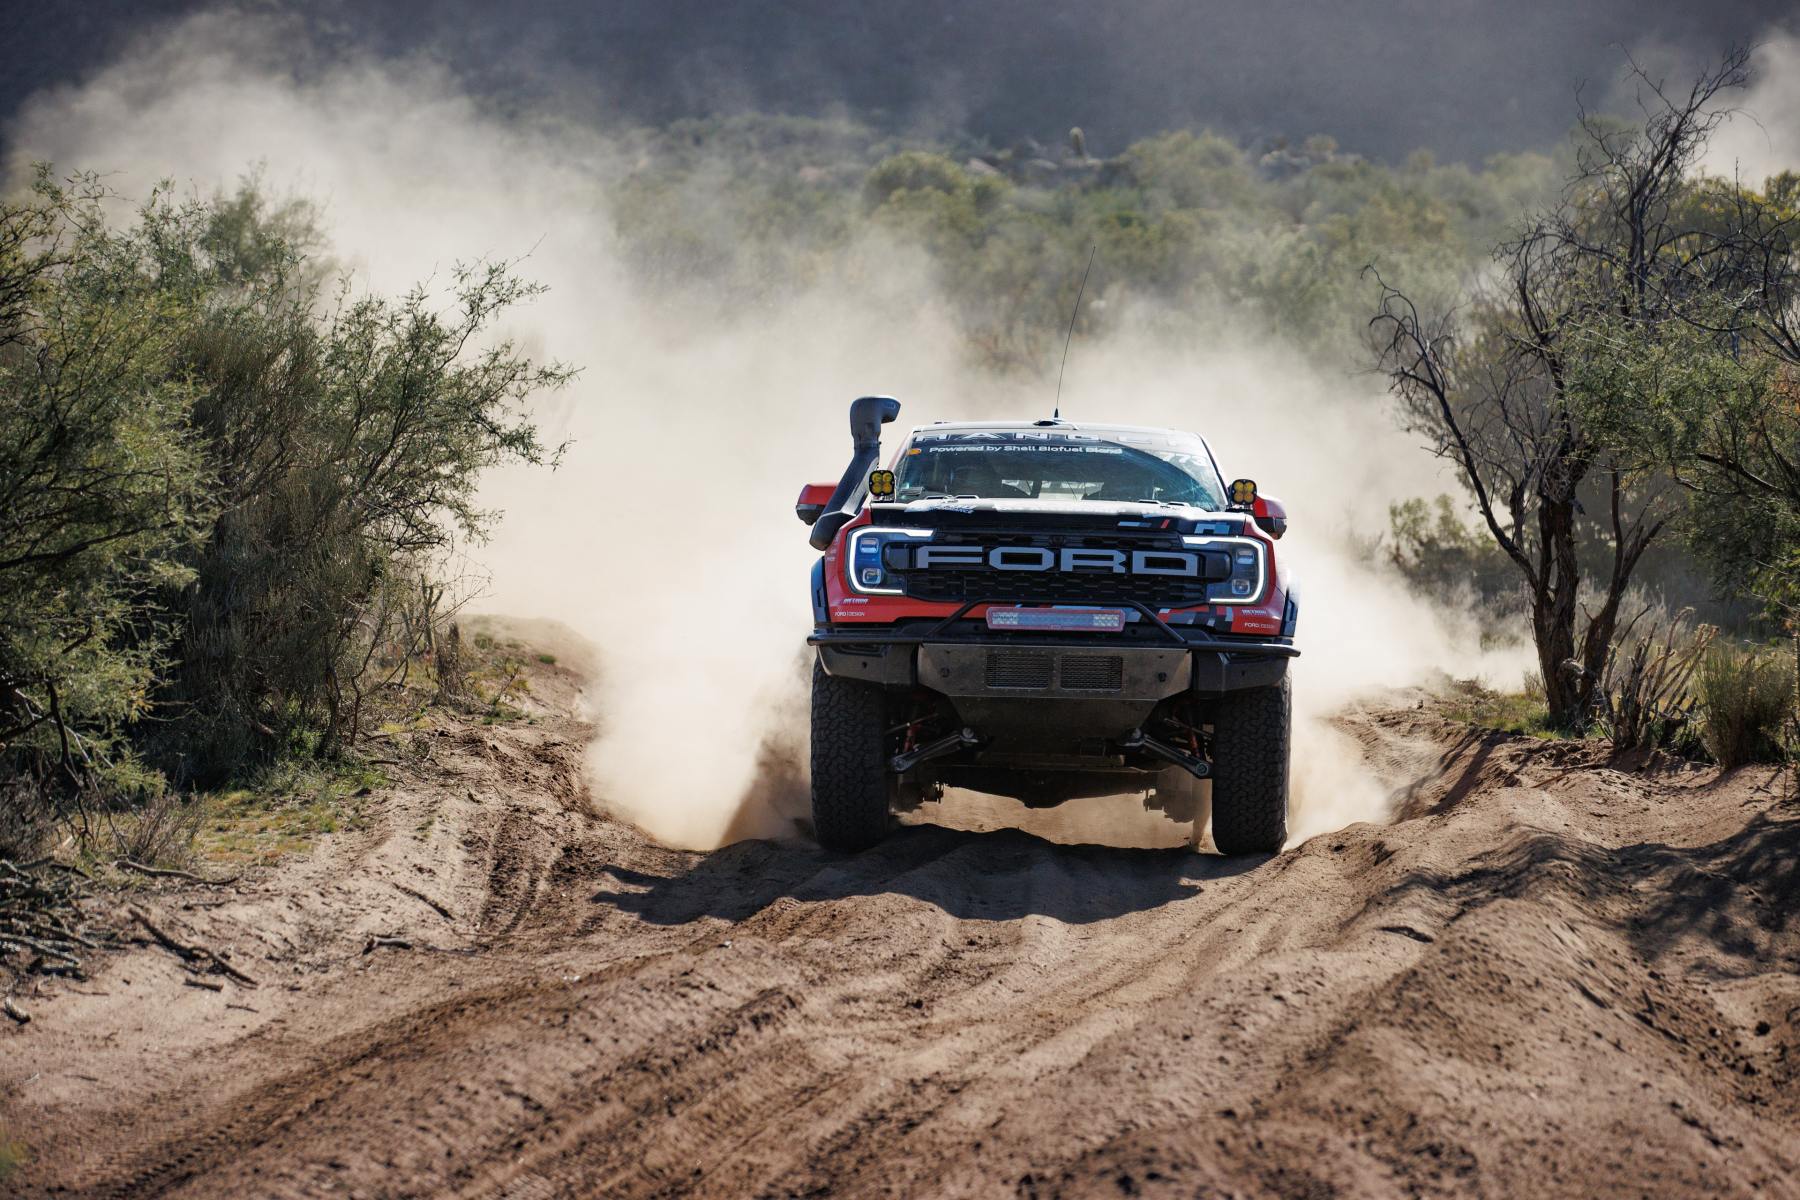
(1056, 413)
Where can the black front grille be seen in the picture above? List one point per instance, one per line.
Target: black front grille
(1012, 670)
(1092, 672)
(958, 585)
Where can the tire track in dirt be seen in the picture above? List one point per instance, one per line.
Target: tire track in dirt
(1560, 976)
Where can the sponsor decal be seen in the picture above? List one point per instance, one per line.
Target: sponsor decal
(1255, 622)
(1050, 438)
(986, 448)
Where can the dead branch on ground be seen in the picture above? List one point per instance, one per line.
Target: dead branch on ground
(189, 952)
(171, 873)
(42, 927)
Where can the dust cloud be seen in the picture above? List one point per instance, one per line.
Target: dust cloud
(666, 535)
(1761, 136)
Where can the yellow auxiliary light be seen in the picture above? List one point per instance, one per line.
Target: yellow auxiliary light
(1243, 491)
(881, 483)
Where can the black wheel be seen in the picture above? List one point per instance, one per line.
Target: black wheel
(851, 786)
(1250, 770)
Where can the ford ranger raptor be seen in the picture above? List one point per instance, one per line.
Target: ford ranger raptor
(1047, 610)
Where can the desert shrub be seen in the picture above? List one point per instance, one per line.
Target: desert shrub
(348, 440)
(1746, 698)
(104, 489)
(1647, 684)
(223, 484)
(1191, 171)
(913, 171)
(156, 832)
(1438, 552)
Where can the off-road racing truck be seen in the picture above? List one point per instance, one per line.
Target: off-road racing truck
(1047, 610)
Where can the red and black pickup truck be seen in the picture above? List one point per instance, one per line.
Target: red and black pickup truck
(1047, 610)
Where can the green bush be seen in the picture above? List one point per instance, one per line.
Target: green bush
(222, 486)
(1746, 698)
(913, 171)
(1437, 551)
(105, 488)
(348, 442)
(347, 438)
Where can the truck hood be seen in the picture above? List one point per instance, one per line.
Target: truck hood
(1057, 514)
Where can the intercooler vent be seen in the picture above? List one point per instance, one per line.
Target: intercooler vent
(1006, 670)
(1093, 672)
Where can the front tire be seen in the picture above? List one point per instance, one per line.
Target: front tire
(851, 784)
(1250, 743)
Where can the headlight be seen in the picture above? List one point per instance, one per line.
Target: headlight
(1249, 569)
(865, 558)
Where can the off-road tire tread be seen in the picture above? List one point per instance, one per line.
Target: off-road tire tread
(850, 782)
(1250, 743)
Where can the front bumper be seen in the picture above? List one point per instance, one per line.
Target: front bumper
(966, 659)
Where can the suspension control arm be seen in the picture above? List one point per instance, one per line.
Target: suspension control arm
(949, 744)
(1199, 768)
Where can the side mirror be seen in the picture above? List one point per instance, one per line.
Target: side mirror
(813, 499)
(1270, 514)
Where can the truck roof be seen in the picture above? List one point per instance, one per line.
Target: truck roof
(1047, 424)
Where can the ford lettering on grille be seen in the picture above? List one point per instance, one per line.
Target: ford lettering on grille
(1071, 558)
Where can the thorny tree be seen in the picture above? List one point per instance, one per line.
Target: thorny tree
(1510, 392)
(214, 484)
(1743, 442)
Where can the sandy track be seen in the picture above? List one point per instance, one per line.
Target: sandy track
(1552, 978)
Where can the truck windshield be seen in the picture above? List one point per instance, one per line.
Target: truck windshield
(1169, 468)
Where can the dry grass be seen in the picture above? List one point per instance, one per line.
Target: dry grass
(287, 812)
(1474, 703)
(158, 832)
(1746, 699)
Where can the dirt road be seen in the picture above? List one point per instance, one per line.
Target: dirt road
(1549, 978)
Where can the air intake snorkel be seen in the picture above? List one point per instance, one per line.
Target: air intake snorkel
(867, 415)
